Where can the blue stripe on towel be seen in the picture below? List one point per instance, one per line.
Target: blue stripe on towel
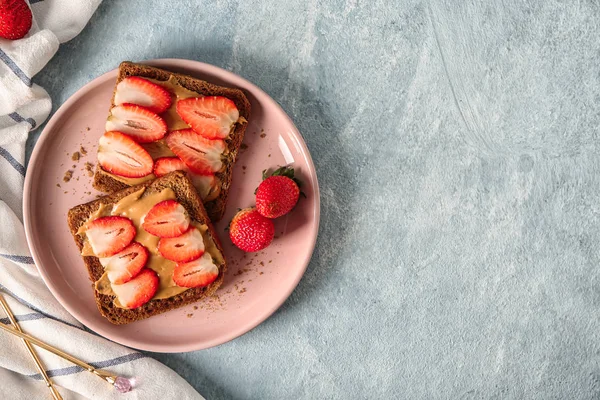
(23, 318)
(18, 259)
(18, 118)
(34, 1)
(34, 308)
(12, 161)
(15, 68)
(100, 364)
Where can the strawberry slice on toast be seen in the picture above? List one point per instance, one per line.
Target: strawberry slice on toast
(213, 117)
(143, 125)
(126, 264)
(197, 273)
(137, 291)
(184, 248)
(164, 165)
(201, 155)
(121, 155)
(142, 92)
(166, 219)
(109, 235)
(202, 183)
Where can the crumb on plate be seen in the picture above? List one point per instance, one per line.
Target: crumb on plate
(89, 167)
(68, 176)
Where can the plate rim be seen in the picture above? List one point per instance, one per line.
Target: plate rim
(28, 223)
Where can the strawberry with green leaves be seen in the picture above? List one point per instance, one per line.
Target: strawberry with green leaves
(278, 193)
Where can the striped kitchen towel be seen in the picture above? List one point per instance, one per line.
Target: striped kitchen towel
(24, 106)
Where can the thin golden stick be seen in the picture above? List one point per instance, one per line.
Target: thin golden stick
(123, 385)
(55, 394)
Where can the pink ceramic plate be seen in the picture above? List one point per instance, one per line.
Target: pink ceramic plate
(255, 284)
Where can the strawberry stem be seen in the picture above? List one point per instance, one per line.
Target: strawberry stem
(285, 170)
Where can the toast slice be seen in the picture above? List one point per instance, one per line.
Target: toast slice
(214, 208)
(188, 197)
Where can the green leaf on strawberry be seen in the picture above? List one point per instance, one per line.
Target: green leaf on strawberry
(286, 171)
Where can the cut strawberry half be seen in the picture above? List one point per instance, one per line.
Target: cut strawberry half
(198, 273)
(202, 156)
(164, 165)
(183, 248)
(121, 155)
(126, 264)
(166, 219)
(212, 116)
(141, 124)
(202, 183)
(137, 291)
(142, 92)
(109, 235)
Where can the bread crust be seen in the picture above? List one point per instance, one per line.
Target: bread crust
(214, 208)
(188, 197)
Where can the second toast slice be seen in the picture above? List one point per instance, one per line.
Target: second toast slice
(186, 195)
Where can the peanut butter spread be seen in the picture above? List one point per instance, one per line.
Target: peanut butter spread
(135, 206)
(159, 148)
(173, 120)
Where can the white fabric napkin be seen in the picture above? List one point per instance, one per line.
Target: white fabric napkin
(23, 106)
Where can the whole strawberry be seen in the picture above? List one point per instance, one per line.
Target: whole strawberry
(15, 19)
(250, 231)
(277, 194)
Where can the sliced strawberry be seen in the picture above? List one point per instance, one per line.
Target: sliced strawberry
(141, 124)
(121, 155)
(198, 273)
(202, 156)
(183, 248)
(166, 219)
(126, 264)
(142, 92)
(212, 116)
(202, 183)
(109, 235)
(137, 291)
(164, 165)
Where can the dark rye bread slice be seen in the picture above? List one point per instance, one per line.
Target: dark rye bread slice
(188, 197)
(215, 208)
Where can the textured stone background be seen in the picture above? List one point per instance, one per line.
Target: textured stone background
(457, 151)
